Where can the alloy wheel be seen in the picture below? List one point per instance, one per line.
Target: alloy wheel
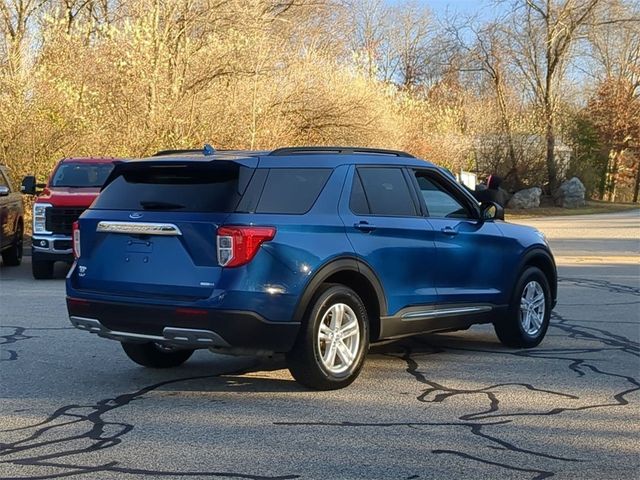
(338, 338)
(532, 308)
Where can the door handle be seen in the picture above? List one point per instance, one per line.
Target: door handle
(364, 226)
(449, 231)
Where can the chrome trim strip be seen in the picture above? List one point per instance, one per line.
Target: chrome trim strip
(184, 337)
(50, 241)
(193, 336)
(445, 312)
(139, 228)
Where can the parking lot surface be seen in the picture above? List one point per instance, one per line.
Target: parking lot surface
(455, 405)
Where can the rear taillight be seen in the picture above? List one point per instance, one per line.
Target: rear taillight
(76, 240)
(238, 245)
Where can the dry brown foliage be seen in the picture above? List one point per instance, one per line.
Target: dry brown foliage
(126, 78)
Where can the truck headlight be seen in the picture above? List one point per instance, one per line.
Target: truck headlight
(39, 217)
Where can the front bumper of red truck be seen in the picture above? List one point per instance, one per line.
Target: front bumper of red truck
(52, 247)
(51, 239)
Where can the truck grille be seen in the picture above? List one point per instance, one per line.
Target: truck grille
(60, 220)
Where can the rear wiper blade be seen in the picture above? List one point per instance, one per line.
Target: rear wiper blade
(153, 205)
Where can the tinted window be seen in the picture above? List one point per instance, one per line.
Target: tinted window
(8, 177)
(81, 174)
(292, 190)
(187, 188)
(358, 202)
(387, 191)
(440, 203)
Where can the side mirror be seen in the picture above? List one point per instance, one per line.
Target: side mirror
(491, 211)
(28, 186)
(4, 190)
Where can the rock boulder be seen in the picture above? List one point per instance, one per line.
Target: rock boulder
(570, 194)
(527, 198)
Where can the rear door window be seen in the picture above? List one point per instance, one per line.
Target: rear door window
(181, 187)
(386, 191)
(292, 190)
(358, 202)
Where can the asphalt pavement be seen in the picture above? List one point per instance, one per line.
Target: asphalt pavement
(455, 405)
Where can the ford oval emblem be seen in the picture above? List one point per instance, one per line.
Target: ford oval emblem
(135, 215)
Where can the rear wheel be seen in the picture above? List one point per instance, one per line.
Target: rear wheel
(331, 347)
(12, 257)
(42, 269)
(155, 355)
(527, 320)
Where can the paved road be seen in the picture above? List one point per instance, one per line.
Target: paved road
(441, 406)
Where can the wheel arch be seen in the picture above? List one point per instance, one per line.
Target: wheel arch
(542, 259)
(355, 274)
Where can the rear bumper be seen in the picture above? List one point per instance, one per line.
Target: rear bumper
(242, 331)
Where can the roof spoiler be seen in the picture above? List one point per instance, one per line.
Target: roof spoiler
(121, 167)
(206, 150)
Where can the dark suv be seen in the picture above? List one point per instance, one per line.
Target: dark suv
(11, 221)
(314, 252)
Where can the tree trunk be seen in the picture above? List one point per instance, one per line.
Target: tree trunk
(152, 88)
(506, 127)
(612, 173)
(550, 155)
(636, 187)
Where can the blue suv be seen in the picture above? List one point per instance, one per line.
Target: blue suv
(316, 252)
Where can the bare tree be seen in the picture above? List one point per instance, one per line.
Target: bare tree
(409, 37)
(392, 44)
(543, 33)
(368, 20)
(486, 53)
(15, 16)
(124, 77)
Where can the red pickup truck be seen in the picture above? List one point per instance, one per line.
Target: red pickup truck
(72, 187)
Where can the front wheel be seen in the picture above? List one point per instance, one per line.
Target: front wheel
(333, 341)
(527, 319)
(41, 269)
(155, 355)
(12, 257)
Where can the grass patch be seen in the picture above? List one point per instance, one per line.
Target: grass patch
(592, 207)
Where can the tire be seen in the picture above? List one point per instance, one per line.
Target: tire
(532, 293)
(152, 355)
(313, 361)
(12, 257)
(41, 269)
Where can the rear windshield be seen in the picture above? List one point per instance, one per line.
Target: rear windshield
(187, 188)
(81, 175)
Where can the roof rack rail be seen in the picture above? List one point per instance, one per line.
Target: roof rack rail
(281, 152)
(206, 150)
